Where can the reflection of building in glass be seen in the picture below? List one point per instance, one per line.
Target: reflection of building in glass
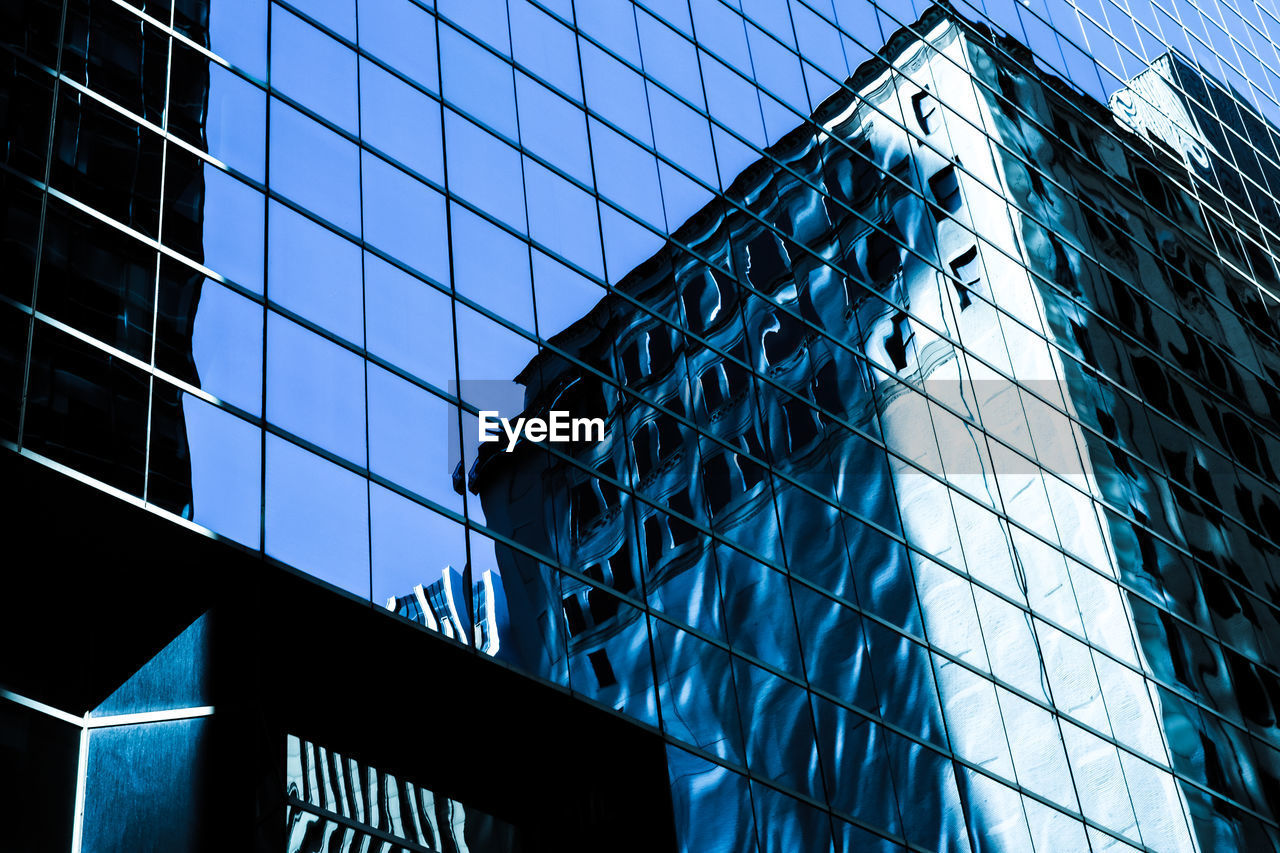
(443, 608)
(938, 456)
(938, 510)
(336, 803)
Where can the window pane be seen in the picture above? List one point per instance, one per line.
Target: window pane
(314, 272)
(403, 35)
(563, 217)
(226, 345)
(337, 15)
(409, 322)
(411, 544)
(315, 388)
(409, 430)
(313, 68)
(553, 128)
(317, 516)
(487, 172)
(226, 471)
(491, 267)
(400, 120)
(405, 218)
(546, 47)
(315, 167)
(478, 82)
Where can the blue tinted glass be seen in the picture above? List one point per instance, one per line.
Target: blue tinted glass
(484, 19)
(626, 174)
(405, 217)
(682, 135)
(720, 30)
(546, 47)
(670, 58)
(627, 243)
(562, 295)
(772, 16)
(411, 544)
(732, 155)
(315, 388)
(612, 23)
(553, 128)
(226, 343)
(409, 432)
(477, 82)
(562, 217)
(711, 803)
(777, 70)
(491, 267)
(313, 69)
(314, 272)
(236, 123)
(819, 43)
(408, 322)
(674, 12)
(488, 173)
(238, 33)
(337, 15)
(401, 121)
(226, 471)
(402, 34)
(681, 195)
(615, 92)
(487, 350)
(233, 225)
(315, 167)
(317, 516)
(734, 103)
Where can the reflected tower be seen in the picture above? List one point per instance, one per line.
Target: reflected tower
(914, 504)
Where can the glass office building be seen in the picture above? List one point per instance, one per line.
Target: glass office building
(936, 347)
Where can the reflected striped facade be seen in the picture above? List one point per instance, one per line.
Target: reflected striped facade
(935, 503)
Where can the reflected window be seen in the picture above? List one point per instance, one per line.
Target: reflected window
(966, 276)
(924, 111)
(945, 186)
(898, 343)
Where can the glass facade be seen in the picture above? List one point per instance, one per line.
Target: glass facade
(935, 346)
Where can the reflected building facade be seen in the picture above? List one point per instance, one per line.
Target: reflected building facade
(937, 460)
(937, 504)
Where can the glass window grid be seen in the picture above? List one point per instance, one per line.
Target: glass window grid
(626, 213)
